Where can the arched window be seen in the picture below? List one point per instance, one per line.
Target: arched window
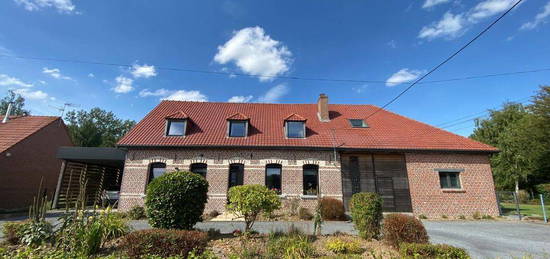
(156, 170)
(236, 175)
(273, 177)
(311, 179)
(199, 168)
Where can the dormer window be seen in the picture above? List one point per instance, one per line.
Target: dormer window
(295, 126)
(237, 125)
(358, 123)
(176, 124)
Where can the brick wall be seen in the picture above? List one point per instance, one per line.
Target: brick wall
(135, 174)
(476, 195)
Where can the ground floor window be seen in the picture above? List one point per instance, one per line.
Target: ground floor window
(449, 180)
(199, 168)
(311, 179)
(273, 177)
(156, 170)
(236, 175)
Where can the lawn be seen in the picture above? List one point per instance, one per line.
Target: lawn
(525, 209)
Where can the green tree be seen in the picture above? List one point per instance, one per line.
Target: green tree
(18, 102)
(540, 108)
(96, 128)
(250, 200)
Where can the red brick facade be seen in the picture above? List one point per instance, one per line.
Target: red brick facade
(476, 195)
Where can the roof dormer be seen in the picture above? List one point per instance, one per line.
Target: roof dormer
(176, 124)
(295, 126)
(237, 125)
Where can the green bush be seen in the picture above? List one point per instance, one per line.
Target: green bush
(412, 250)
(136, 213)
(332, 209)
(249, 201)
(399, 228)
(35, 233)
(366, 213)
(164, 242)
(543, 189)
(305, 214)
(339, 246)
(176, 200)
(12, 231)
(293, 245)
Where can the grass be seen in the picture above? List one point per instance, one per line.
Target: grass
(525, 209)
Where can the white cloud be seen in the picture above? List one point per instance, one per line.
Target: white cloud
(158, 92)
(6, 80)
(143, 71)
(431, 3)
(449, 26)
(402, 76)
(359, 89)
(274, 94)
(454, 25)
(55, 73)
(392, 44)
(91, 75)
(240, 99)
(63, 6)
(539, 18)
(255, 53)
(124, 85)
(183, 95)
(33, 95)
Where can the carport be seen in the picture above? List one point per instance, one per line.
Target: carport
(99, 168)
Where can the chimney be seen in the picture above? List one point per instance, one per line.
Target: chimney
(7, 116)
(322, 108)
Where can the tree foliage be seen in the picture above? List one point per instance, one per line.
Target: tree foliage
(17, 107)
(96, 128)
(250, 200)
(522, 135)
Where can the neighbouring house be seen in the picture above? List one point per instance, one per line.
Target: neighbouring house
(28, 145)
(308, 150)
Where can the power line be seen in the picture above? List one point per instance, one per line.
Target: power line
(446, 60)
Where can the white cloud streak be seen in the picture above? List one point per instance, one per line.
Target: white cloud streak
(274, 94)
(255, 53)
(6, 80)
(240, 99)
(62, 6)
(124, 85)
(402, 76)
(540, 18)
(55, 73)
(33, 95)
(145, 71)
(432, 3)
(183, 95)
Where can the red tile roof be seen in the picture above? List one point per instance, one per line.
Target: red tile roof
(19, 128)
(238, 116)
(207, 127)
(177, 115)
(295, 117)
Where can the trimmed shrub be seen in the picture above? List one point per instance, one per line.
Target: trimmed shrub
(332, 209)
(399, 228)
(164, 242)
(250, 200)
(339, 246)
(12, 231)
(305, 214)
(366, 213)
(136, 213)
(411, 250)
(543, 189)
(176, 200)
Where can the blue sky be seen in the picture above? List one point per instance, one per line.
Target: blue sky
(389, 42)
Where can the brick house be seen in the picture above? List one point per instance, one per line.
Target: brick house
(302, 150)
(28, 145)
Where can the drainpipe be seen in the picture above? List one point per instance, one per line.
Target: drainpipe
(8, 111)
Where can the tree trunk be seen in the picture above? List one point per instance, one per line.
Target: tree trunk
(517, 187)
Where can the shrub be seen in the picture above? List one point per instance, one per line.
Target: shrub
(487, 217)
(444, 217)
(422, 216)
(164, 242)
(339, 246)
(366, 213)
(12, 231)
(411, 250)
(213, 214)
(523, 196)
(543, 189)
(289, 246)
(400, 228)
(476, 215)
(461, 217)
(305, 214)
(136, 213)
(249, 201)
(35, 233)
(176, 200)
(332, 209)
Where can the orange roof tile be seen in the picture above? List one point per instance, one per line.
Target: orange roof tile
(19, 128)
(295, 117)
(177, 115)
(238, 116)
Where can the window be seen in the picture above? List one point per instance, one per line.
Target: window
(156, 170)
(311, 179)
(175, 128)
(236, 175)
(273, 177)
(357, 123)
(449, 180)
(237, 128)
(295, 129)
(199, 168)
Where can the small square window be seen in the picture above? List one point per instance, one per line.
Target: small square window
(357, 123)
(449, 180)
(237, 128)
(295, 129)
(175, 128)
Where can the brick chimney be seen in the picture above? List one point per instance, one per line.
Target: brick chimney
(322, 108)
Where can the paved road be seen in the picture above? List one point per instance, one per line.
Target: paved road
(482, 239)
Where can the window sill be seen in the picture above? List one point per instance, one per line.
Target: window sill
(308, 197)
(453, 190)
